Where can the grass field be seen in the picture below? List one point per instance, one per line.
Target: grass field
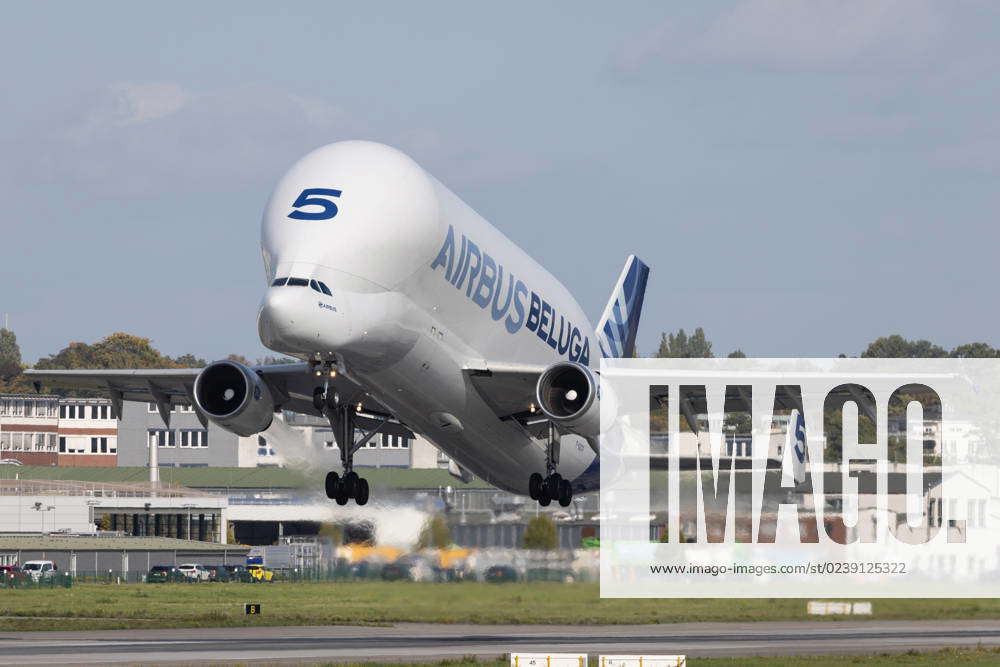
(106, 606)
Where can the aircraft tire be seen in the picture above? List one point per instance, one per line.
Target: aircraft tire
(361, 495)
(552, 485)
(318, 399)
(544, 498)
(565, 493)
(332, 482)
(535, 483)
(351, 484)
(341, 496)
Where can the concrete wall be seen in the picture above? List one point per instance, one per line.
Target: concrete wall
(18, 514)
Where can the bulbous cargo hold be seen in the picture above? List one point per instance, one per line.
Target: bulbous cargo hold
(234, 397)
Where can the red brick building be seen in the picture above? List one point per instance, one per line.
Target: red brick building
(47, 430)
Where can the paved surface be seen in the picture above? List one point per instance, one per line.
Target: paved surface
(416, 641)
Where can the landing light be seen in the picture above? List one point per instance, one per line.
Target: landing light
(318, 372)
(531, 408)
(358, 407)
(333, 372)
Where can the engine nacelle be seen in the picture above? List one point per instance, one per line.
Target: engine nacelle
(567, 394)
(234, 397)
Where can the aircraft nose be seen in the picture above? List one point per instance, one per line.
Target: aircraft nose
(277, 316)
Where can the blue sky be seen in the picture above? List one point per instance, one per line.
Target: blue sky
(802, 177)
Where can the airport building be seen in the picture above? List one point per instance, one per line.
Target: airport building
(51, 431)
(48, 430)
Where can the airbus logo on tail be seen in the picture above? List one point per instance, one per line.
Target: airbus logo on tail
(520, 307)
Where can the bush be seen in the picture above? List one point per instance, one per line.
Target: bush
(541, 533)
(435, 533)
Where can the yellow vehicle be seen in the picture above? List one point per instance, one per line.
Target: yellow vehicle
(260, 573)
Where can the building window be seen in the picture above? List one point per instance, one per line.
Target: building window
(161, 437)
(194, 437)
(93, 445)
(62, 445)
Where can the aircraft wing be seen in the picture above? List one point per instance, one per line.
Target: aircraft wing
(508, 388)
(291, 385)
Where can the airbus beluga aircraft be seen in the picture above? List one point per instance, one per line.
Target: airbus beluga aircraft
(410, 313)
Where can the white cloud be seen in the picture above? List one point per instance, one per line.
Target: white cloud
(792, 34)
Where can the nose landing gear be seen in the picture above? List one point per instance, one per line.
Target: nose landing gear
(552, 486)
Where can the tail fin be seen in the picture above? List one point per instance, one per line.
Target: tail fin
(619, 324)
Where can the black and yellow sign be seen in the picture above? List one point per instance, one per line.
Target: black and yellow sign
(252, 608)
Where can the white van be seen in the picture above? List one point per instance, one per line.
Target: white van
(38, 569)
(194, 571)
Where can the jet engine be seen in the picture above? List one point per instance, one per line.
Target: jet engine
(567, 394)
(234, 397)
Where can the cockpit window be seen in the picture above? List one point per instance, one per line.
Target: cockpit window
(278, 282)
(323, 288)
(314, 285)
(297, 282)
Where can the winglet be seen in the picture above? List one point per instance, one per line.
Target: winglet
(617, 329)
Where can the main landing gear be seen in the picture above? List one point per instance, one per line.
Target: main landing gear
(552, 486)
(341, 414)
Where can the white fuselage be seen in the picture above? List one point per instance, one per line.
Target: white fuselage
(422, 288)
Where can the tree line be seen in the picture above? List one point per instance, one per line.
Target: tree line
(123, 350)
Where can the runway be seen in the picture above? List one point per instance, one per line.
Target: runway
(417, 641)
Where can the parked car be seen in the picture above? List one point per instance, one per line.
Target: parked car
(500, 574)
(162, 574)
(11, 574)
(194, 571)
(235, 573)
(10, 462)
(260, 573)
(39, 569)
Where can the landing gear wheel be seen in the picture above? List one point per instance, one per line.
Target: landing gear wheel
(565, 493)
(552, 485)
(341, 496)
(361, 493)
(332, 482)
(535, 483)
(544, 498)
(351, 484)
(318, 399)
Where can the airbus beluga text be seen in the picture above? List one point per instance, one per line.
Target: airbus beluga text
(411, 314)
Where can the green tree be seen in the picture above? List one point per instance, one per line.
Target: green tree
(541, 533)
(737, 354)
(190, 361)
(240, 359)
(10, 355)
(975, 350)
(895, 346)
(119, 350)
(435, 533)
(682, 346)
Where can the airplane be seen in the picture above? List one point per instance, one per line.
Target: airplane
(409, 313)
